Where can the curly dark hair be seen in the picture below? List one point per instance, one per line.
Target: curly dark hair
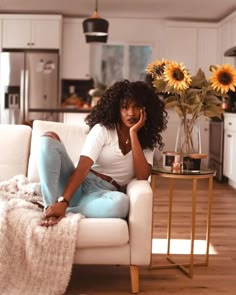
(107, 110)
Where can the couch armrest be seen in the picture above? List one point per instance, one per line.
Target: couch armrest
(140, 221)
(14, 150)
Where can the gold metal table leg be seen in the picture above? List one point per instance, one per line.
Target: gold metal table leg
(171, 188)
(210, 191)
(187, 268)
(194, 199)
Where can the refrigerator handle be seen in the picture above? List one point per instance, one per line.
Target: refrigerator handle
(26, 96)
(22, 101)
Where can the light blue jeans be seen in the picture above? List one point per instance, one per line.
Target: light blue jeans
(95, 197)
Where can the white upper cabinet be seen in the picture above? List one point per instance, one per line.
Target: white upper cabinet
(34, 32)
(207, 48)
(46, 34)
(181, 44)
(16, 33)
(227, 38)
(225, 42)
(234, 32)
(75, 50)
(194, 44)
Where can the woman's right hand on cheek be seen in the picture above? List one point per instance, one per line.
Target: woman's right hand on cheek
(141, 122)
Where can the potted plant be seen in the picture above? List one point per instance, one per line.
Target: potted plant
(191, 97)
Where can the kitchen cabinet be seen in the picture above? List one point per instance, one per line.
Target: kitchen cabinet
(75, 51)
(181, 44)
(187, 42)
(229, 168)
(31, 32)
(207, 48)
(233, 32)
(227, 38)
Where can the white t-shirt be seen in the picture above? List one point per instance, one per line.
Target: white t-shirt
(102, 146)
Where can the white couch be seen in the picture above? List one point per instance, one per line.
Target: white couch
(100, 241)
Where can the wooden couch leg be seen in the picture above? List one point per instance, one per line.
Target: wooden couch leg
(134, 275)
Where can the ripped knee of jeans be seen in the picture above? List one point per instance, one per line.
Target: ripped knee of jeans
(53, 135)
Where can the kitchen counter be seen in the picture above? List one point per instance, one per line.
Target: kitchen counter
(230, 113)
(61, 110)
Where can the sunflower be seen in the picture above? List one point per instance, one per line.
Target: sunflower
(177, 76)
(223, 78)
(156, 68)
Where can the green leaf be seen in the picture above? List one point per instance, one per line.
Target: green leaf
(197, 108)
(170, 104)
(211, 67)
(199, 80)
(195, 99)
(180, 111)
(212, 100)
(171, 99)
(160, 85)
(213, 111)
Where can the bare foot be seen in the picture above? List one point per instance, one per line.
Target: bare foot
(49, 221)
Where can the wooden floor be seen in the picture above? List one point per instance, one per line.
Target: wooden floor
(217, 278)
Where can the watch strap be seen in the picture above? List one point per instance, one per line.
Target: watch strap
(62, 199)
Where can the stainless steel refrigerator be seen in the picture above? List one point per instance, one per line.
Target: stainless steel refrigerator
(28, 86)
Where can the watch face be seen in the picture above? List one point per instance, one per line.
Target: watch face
(60, 199)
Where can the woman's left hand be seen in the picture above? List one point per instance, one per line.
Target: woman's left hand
(141, 122)
(54, 214)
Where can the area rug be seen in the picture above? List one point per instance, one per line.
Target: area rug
(34, 260)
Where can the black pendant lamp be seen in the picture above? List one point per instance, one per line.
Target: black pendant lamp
(95, 28)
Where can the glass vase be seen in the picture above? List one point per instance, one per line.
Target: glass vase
(188, 142)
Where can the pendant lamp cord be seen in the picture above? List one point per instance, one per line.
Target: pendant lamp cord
(96, 5)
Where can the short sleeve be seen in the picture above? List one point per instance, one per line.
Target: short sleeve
(94, 142)
(149, 154)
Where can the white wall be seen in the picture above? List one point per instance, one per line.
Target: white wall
(138, 31)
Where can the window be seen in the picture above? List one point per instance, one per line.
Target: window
(139, 58)
(117, 62)
(112, 63)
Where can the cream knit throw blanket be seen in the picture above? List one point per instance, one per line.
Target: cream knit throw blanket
(34, 260)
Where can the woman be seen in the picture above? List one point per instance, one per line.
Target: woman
(125, 126)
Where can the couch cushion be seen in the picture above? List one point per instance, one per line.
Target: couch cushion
(14, 150)
(73, 137)
(102, 232)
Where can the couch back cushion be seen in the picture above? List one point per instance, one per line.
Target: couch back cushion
(73, 137)
(14, 150)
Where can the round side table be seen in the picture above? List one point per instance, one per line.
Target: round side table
(193, 176)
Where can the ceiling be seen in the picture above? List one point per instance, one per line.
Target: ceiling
(196, 10)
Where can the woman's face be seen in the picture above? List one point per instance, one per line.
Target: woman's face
(129, 113)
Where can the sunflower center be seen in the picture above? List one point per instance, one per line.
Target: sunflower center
(178, 75)
(225, 78)
(159, 70)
